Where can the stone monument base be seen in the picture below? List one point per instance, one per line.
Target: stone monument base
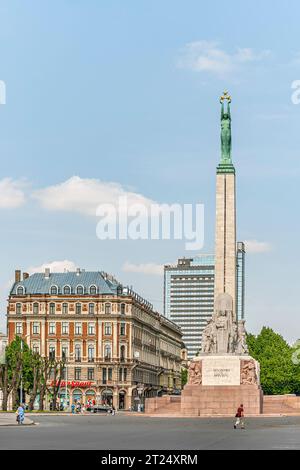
(217, 385)
(199, 400)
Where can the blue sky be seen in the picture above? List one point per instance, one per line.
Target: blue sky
(127, 93)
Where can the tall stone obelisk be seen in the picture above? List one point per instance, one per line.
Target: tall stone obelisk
(225, 237)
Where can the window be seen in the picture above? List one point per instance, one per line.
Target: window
(91, 353)
(93, 290)
(63, 374)
(52, 328)
(123, 374)
(107, 329)
(122, 353)
(77, 373)
(19, 309)
(35, 308)
(107, 352)
(77, 353)
(67, 290)
(52, 309)
(53, 290)
(19, 328)
(65, 308)
(122, 329)
(51, 352)
(90, 374)
(123, 309)
(109, 373)
(91, 309)
(80, 290)
(104, 376)
(35, 349)
(64, 352)
(91, 329)
(78, 328)
(107, 309)
(20, 290)
(78, 309)
(36, 328)
(65, 328)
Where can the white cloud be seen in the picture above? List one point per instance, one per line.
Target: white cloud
(55, 267)
(84, 195)
(147, 268)
(254, 246)
(207, 56)
(11, 193)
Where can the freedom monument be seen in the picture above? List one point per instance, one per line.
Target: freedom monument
(223, 375)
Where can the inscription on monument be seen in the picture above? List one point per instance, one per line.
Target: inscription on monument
(221, 371)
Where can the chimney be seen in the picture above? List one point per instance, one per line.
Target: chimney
(77, 271)
(47, 273)
(17, 275)
(25, 276)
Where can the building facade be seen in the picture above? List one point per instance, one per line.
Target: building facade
(116, 348)
(189, 288)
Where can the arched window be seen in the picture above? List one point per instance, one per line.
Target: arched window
(79, 290)
(53, 290)
(93, 290)
(52, 309)
(35, 308)
(122, 353)
(19, 309)
(77, 353)
(91, 353)
(107, 352)
(123, 307)
(20, 290)
(67, 290)
(107, 309)
(78, 309)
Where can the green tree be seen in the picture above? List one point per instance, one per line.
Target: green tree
(184, 377)
(278, 373)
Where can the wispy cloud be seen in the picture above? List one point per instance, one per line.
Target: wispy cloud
(254, 246)
(146, 268)
(11, 193)
(83, 195)
(54, 266)
(208, 56)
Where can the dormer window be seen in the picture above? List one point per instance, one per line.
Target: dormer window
(20, 290)
(53, 290)
(93, 290)
(67, 290)
(80, 290)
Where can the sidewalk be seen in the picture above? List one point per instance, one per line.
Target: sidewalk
(9, 419)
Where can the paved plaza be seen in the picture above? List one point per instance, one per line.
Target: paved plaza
(135, 432)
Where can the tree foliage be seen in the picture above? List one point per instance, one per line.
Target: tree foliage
(278, 372)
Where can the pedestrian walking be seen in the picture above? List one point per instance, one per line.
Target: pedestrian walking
(20, 414)
(113, 411)
(240, 421)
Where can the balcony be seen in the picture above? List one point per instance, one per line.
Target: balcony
(77, 359)
(91, 359)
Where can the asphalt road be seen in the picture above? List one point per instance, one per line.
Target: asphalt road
(132, 432)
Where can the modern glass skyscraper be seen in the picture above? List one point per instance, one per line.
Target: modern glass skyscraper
(189, 295)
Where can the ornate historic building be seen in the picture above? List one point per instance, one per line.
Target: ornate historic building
(117, 349)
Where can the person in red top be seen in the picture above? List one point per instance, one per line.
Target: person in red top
(240, 417)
